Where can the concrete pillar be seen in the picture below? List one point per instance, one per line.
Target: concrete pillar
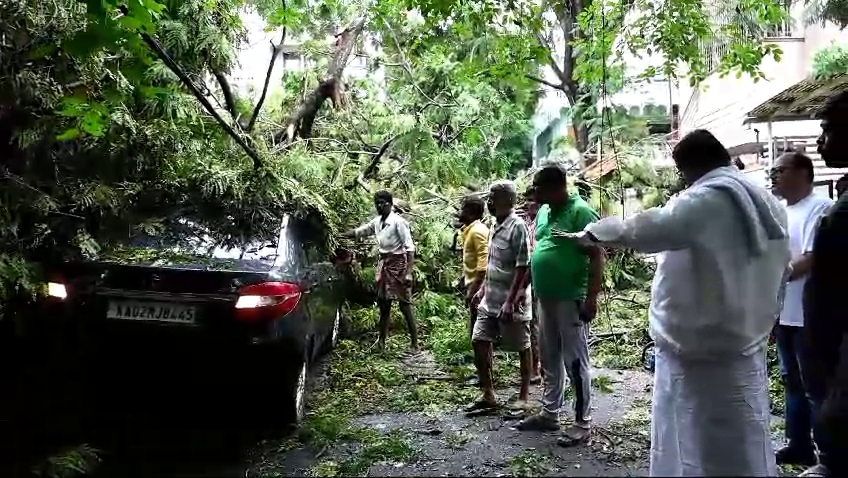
(771, 152)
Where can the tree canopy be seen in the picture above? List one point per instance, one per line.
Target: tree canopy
(119, 116)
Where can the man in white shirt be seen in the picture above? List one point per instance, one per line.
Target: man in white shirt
(394, 269)
(713, 303)
(792, 180)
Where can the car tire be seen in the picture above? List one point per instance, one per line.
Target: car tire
(337, 332)
(295, 386)
(335, 335)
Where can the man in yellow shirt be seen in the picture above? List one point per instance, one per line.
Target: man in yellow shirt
(475, 251)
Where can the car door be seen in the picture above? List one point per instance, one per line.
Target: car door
(321, 278)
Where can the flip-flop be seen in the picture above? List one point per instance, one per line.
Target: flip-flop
(515, 414)
(519, 405)
(574, 436)
(481, 407)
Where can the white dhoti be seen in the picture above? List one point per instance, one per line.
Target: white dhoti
(711, 417)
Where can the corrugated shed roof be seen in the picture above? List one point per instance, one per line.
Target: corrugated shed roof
(800, 101)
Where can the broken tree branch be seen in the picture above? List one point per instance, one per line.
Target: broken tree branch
(275, 52)
(372, 168)
(300, 122)
(173, 66)
(544, 82)
(229, 98)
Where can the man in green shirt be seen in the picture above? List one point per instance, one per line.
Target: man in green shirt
(566, 283)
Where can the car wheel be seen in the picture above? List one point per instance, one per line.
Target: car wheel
(292, 389)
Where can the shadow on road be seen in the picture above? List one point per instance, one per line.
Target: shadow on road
(151, 411)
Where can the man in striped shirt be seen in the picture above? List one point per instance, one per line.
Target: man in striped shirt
(503, 310)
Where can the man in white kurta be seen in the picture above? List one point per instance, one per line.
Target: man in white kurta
(713, 303)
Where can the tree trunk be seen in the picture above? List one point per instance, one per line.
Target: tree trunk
(301, 120)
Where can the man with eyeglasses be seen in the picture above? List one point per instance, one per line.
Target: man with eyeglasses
(792, 180)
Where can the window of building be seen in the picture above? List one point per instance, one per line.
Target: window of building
(292, 61)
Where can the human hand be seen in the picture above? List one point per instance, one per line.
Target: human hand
(470, 293)
(478, 297)
(588, 309)
(507, 312)
(583, 238)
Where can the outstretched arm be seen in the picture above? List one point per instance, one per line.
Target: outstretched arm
(361, 231)
(657, 229)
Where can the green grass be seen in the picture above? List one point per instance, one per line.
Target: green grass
(361, 381)
(77, 461)
(373, 448)
(530, 463)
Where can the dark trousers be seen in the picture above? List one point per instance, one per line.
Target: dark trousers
(802, 406)
(834, 416)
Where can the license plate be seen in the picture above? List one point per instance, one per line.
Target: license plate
(151, 311)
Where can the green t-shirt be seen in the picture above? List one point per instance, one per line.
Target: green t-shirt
(559, 267)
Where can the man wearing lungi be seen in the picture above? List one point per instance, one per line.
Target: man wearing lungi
(394, 269)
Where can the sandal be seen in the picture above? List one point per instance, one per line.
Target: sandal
(574, 436)
(539, 423)
(481, 406)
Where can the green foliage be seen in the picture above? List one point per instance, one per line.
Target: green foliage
(101, 141)
(776, 384)
(823, 11)
(74, 462)
(829, 62)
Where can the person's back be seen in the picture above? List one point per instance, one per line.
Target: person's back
(717, 296)
(714, 302)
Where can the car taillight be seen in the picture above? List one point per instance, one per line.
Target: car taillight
(57, 290)
(267, 301)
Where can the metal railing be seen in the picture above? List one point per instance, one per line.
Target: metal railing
(781, 30)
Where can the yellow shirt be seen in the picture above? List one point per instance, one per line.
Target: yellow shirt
(475, 249)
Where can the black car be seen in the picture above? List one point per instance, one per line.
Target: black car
(257, 314)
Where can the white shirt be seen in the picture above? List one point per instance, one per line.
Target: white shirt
(710, 295)
(393, 234)
(803, 218)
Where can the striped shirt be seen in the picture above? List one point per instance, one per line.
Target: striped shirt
(508, 250)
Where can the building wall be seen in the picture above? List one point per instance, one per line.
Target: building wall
(248, 76)
(720, 105)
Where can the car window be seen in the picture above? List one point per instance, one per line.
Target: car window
(305, 237)
(186, 236)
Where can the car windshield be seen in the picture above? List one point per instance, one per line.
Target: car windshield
(185, 236)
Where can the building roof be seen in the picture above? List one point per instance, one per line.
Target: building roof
(801, 101)
(599, 169)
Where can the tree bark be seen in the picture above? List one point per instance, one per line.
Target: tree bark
(229, 97)
(566, 14)
(275, 52)
(300, 122)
